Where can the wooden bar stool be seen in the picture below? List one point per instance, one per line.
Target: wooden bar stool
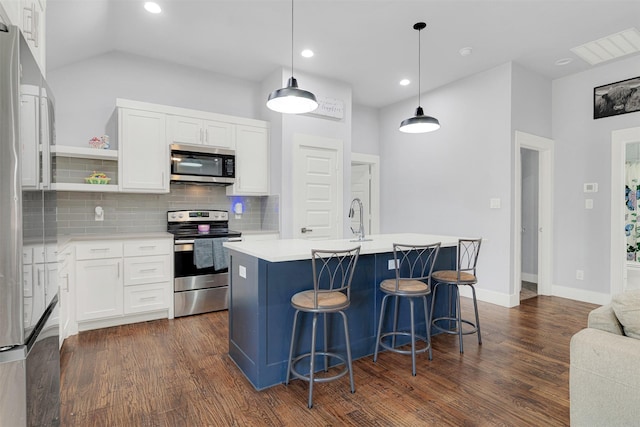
(465, 275)
(414, 265)
(331, 293)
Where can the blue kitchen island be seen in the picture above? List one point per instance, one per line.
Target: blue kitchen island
(265, 274)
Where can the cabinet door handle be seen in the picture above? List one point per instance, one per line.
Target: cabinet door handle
(118, 270)
(146, 270)
(66, 280)
(147, 298)
(201, 137)
(99, 249)
(147, 247)
(206, 136)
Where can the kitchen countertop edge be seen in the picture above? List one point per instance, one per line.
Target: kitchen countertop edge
(300, 249)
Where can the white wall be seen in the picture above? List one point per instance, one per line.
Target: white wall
(583, 155)
(86, 91)
(441, 182)
(365, 130)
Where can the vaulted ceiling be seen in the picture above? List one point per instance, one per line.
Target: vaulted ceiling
(368, 44)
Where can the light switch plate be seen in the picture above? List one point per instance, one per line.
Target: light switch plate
(242, 271)
(590, 187)
(494, 203)
(588, 203)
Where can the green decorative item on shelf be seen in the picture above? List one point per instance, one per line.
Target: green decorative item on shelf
(97, 178)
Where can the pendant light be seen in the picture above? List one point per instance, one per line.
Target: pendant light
(419, 123)
(291, 99)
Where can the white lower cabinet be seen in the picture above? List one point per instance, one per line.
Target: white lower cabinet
(122, 281)
(141, 298)
(99, 289)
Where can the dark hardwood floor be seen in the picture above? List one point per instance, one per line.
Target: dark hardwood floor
(177, 373)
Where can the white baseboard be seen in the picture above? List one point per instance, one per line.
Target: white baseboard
(529, 277)
(492, 297)
(581, 295)
(506, 300)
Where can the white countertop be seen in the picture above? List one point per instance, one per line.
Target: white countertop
(297, 249)
(63, 240)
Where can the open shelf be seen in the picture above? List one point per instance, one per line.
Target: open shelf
(98, 188)
(83, 153)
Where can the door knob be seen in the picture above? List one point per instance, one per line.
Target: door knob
(305, 230)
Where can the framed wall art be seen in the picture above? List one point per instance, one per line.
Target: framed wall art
(616, 98)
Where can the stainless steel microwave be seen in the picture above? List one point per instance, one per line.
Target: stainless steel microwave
(202, 164)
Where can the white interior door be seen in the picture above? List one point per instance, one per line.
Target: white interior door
(361, 188)
(317, 187)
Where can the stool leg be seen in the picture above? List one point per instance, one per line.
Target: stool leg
(348, 343)
(433, 304)
(413, 339)
(395, 321)
(452, 303)
(293, 336)
(475, 306)
(427, 324)
(459, 318)
(326, 358)
(382, 305)
(312, 358)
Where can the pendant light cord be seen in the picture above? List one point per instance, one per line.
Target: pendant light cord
(291, 38)
(419, 63)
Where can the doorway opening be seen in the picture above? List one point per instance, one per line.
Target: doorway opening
(625, 269)
(529, 226)
(365, 185)
(540, 248)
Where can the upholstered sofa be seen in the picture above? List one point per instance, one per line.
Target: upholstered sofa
(604, 377)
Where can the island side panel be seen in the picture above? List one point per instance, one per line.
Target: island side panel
(244, 313)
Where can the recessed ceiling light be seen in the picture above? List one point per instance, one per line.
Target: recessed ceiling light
(307, 53)
(564, 61)
(465, 51)
(152, 7)
(405, 82)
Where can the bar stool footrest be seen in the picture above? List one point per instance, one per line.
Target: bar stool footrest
(340, 374)
(404, 334)
(455, 321)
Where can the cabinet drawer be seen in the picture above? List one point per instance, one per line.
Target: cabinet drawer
(143, 298)
(47, 253)
(27, 255)
(147, 247)
(150, 269)
(98, 250)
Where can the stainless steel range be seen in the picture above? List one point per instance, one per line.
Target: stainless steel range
(201, 276)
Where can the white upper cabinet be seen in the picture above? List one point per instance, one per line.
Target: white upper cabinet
(143, 151)
(190, 130)
(29, 16)
(252, 161)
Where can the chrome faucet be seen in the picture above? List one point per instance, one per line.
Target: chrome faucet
(360, 232)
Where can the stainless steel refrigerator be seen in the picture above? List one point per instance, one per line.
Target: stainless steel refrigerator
(29, 323)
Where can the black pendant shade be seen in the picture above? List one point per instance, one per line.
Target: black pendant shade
(291, 99)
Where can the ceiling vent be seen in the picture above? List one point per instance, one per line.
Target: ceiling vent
(611, 47)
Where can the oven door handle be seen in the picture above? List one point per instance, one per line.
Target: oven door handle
(184, 242)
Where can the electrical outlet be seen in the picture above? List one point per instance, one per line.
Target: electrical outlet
(392, 264)
(579, 275)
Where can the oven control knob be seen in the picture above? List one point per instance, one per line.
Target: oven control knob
(173, 216)
(180, 215)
